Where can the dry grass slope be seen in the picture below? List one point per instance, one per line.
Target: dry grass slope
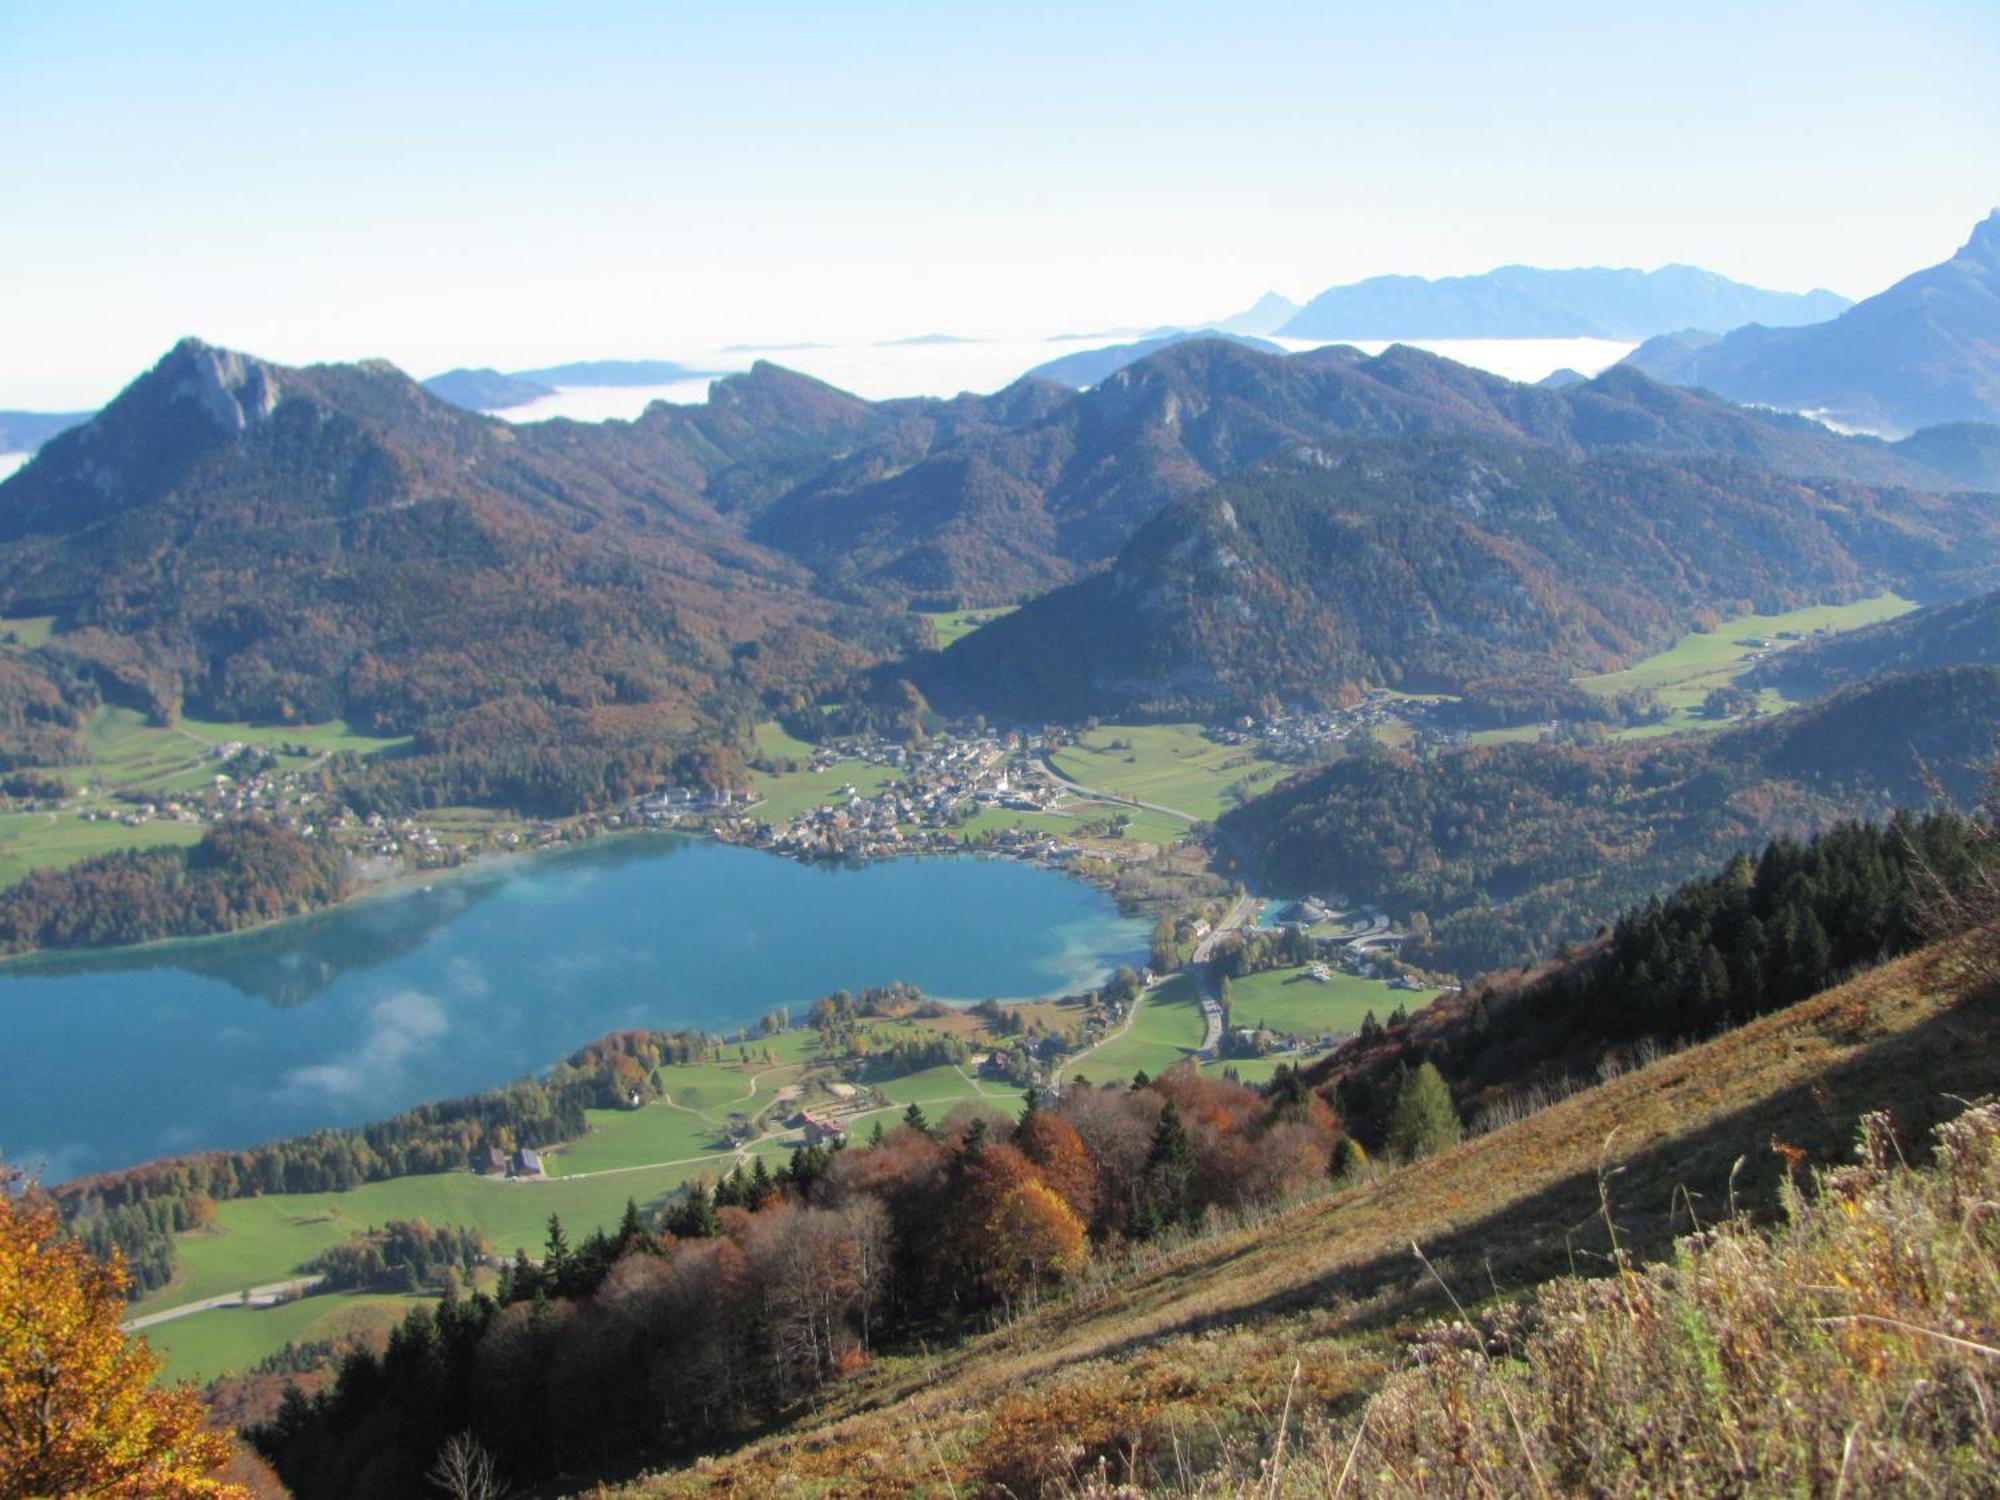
(1160, 1373)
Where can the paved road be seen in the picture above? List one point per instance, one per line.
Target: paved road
(258, 1296)
(1211, 1002)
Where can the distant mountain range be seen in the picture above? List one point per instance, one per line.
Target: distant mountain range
(25, 431)
(485, 389)
(1924, 352)
(1267, 314)
(490, 390)
(1524, 302)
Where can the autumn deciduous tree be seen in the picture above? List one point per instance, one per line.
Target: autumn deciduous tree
(79, 1413)
(1058, 1152)
(1033, 1236)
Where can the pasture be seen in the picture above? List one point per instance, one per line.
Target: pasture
(1172, 765)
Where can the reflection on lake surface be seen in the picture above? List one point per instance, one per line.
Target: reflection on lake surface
(354, 1014)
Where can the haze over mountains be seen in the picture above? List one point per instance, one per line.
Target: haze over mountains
(490, 390)
(1526, 302)
(25, 431)
(1924, 352)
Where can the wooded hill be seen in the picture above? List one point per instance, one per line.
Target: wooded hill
(1496, 854)
(1448, 564)
(1966, 632)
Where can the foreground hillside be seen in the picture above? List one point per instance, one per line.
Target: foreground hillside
(1308, 1311)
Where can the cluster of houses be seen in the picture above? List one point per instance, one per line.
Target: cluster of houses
(1303, 736)
(922, 808)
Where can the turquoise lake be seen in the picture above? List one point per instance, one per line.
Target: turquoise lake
(497, 972)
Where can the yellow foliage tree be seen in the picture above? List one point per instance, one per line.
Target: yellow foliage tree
(1034, 1236)
(79, 1412)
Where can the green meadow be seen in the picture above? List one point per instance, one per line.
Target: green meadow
(954, 625)
(1292, 1003)
(226, 1340)
(1173, 765)
(1167, 1029)
(1684, 674)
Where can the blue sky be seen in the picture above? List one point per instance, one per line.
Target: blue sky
(515, 184)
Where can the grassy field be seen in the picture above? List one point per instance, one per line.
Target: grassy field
(128, 753)
(643, 1154)
(229, 1339)
(260, 1240)
(691, 1117)
(1167, 1029)
(26, 632)
(789, 793)
(1290, 1002)
(956, 624)
(1684, 674)
(772, 740)
(1256, 1070)
(1172, 765)
(54, 840)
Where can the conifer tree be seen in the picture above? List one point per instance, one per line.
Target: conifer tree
(1422, 1120)
(1167, 1181)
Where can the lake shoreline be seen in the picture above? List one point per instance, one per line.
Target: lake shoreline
(477, 863)
(452, 986)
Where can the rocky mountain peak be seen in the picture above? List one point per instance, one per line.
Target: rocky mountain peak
(233, 390)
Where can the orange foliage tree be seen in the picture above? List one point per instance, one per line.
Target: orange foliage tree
(1059, 1154)
(79, 1412)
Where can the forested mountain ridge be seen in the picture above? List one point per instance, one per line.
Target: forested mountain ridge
(303, 544)
(1447, 564)
(1926, 351)
(1000, 510)
(1509, 850)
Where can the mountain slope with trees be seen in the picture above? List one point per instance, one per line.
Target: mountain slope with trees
(1926, 351)
(1446, 565)
(1498, 853)
(1000, 510)
(255, 542)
